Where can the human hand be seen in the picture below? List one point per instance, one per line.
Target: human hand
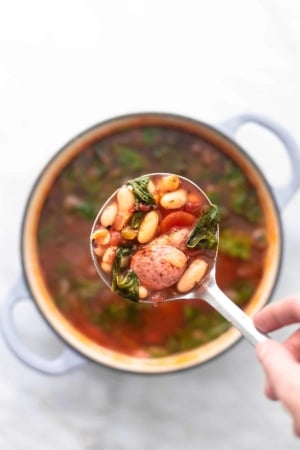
(281, 362)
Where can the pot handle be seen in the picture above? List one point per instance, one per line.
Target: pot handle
(65, 362)
(282, 193)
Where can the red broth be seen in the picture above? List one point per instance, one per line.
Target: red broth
(67, 217)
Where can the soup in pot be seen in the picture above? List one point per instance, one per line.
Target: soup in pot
(72, 205)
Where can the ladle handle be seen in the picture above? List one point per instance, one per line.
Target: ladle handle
(236, 316)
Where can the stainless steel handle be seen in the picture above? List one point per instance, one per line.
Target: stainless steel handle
(282, 193)
(213, 295)
(66, 361)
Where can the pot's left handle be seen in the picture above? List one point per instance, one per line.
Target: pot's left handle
(65, 362)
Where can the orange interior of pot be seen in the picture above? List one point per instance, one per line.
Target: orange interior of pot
(36, 279)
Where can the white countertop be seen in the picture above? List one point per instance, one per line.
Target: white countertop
(66, 65)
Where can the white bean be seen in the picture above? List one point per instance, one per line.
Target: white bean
(174, 200)
(108, 258)
(125, 199)
(192, 276)
(109, 214)
(151, 187)
(148, 227)
(99, 251)
(120, 220)
(169, 183)
(143, 292)
(153, 191)
(107, 268)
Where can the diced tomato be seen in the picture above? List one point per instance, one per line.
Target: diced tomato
(193, 207)
(176, 219)
(115, 238)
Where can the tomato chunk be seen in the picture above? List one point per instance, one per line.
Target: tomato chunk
(115, 238)
(176, 219)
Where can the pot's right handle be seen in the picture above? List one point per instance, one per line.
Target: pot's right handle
(63, 363)
(282, 193)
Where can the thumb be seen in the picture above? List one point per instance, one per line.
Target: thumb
(279, 365)
(283, 376)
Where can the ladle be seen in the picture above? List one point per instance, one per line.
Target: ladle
(207, 290)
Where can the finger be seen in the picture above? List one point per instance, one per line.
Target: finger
(269, 391)
(292, 344)
(283, 376)
(277, 315)
(297, 425)
(282, 371)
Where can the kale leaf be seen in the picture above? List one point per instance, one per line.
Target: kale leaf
(204, 233)
(140, 190)
(236, 244)
(136, 219)
(126, 284)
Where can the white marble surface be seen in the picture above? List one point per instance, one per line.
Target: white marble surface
(65, 65)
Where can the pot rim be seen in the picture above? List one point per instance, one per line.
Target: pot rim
(232, 335)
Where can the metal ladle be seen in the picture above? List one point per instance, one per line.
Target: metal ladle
(206, 290)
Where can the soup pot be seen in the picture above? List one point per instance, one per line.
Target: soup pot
(78, 349)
